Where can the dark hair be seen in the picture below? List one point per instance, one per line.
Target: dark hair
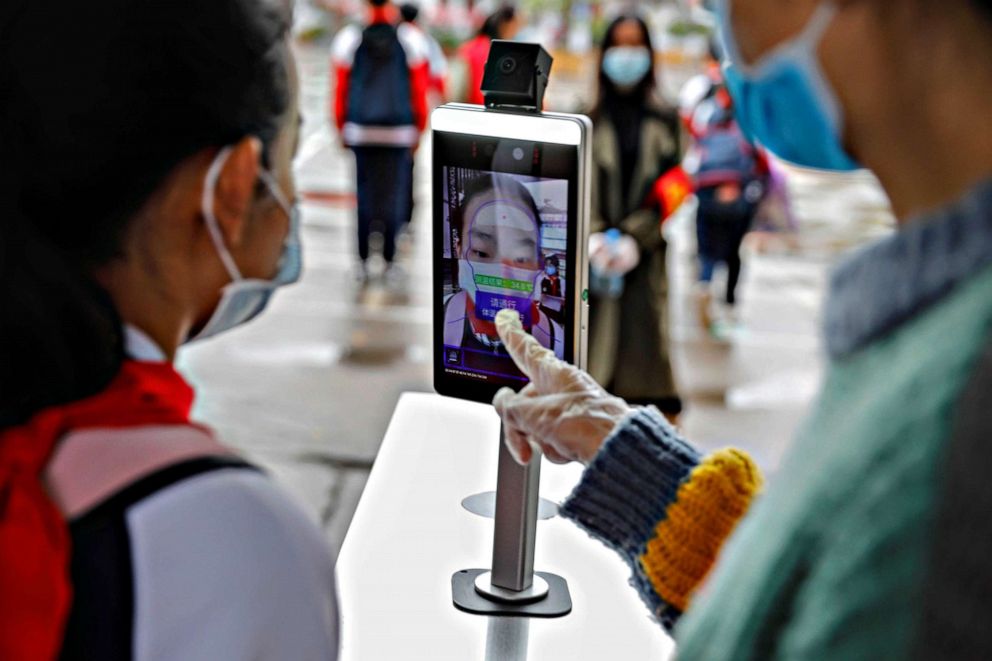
(607, 91)
(409, 12)
(493, 25)
(88, 131)
(487, 183)
(714, 49)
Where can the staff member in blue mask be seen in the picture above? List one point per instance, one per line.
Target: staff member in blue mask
(873, 539)
(636, 140)
(147, 201)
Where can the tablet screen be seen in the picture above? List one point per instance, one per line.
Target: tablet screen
(504, 244)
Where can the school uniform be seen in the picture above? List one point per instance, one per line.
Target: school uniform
(177, 547)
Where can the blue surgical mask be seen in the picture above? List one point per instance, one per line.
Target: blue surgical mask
(784, 100)
(551, 270)
(626, 65)
(244, 298)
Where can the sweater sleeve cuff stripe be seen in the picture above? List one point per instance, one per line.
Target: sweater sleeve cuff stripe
(709, 505)
(666, 614)
(627, 488)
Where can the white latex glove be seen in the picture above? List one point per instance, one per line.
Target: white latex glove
(562, 411)
(618, 259)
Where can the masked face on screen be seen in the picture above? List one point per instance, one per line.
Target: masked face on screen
(500, 265)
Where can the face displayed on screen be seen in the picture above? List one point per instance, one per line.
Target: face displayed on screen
(499, 257)
(506, 252)
(502, 230)
(505, 225)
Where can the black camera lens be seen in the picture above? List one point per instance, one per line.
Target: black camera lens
(507, 64)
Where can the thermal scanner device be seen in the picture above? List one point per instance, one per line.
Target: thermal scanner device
(510, 221)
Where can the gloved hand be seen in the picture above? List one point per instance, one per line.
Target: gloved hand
(616, 258)
(562, 411)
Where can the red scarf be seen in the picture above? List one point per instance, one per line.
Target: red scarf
(35, 592)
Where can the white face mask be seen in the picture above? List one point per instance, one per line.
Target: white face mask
(626, 66)
(496, 286)
(245, 298)
(502, 235)
(510, 282)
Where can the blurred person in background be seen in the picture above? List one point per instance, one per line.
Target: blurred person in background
(470, 64)
(147, 201)
(873, 539)
(636, 140)
(730, 178)
(380, 109)
(774, 212)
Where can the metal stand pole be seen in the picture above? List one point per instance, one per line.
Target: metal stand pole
(511, 587)
(507, 638)
(515, 530)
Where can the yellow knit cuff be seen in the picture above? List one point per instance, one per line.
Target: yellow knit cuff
(708, 505)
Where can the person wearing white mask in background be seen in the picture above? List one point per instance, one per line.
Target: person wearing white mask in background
(147, 202)
(636, 140)
(872, 540)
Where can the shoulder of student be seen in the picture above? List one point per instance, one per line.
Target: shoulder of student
(345, 43)
(227, 566)
(415, 43)
(435, 51)
(695, 90)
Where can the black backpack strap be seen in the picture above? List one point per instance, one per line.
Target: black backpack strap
(101, 622)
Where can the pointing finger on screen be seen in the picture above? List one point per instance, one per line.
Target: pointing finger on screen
(547, 373)
(526, 352)
(563, 411)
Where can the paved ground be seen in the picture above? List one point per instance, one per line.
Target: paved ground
(308, 389)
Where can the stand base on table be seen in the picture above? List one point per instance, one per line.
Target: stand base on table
(466, 597)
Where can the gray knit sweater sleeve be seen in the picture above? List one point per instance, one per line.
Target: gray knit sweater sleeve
(956, 604)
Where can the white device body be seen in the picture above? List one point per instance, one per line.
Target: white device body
(552, 128)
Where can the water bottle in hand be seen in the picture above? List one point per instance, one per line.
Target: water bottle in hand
(604, 282)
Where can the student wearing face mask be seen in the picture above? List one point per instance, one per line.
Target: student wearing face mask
(873, 539)
(636, 140)
(551, 283)
(499, 245)
(147, 202)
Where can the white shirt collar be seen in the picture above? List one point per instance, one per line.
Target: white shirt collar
(139, 346)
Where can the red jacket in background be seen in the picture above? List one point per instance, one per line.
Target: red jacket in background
(475, 53)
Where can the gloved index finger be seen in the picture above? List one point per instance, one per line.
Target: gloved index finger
(531, 358)
(547, 374)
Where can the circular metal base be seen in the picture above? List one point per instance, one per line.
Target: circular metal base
(537, 591)
(484, 504)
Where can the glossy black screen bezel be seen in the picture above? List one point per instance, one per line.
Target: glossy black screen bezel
(556, 161)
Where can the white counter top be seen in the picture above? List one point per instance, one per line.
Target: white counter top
(410, 534)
